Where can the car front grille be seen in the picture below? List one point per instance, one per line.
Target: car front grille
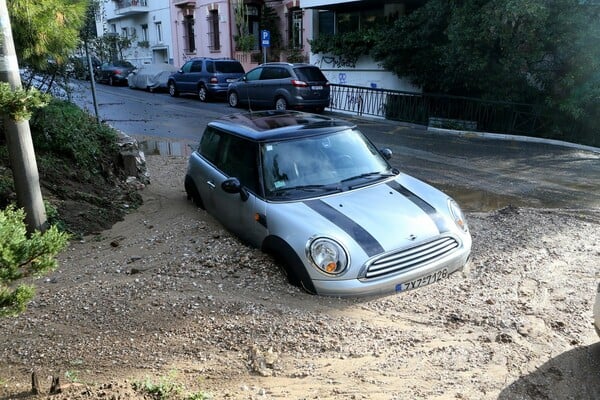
(405, 259)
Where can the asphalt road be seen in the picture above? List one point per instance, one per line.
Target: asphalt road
(481, 173)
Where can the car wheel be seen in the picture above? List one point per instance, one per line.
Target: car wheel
(233, 99)
(281, 104)
(319, 110)
(192, 192)
(202, 93)
(289, 261)
(173, 89)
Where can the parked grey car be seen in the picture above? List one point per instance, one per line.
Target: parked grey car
(205, 77)
(114, 73)
(281, 86)
(315, 193)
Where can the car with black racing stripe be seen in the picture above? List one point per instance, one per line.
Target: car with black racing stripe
(317, 194)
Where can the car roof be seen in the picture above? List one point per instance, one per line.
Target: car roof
(276, 125)
(293, 65)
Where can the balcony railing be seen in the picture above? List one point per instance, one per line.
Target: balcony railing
(126, 7)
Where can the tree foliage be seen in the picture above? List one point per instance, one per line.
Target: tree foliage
(537, 51)
(22, 256)
(46, 30)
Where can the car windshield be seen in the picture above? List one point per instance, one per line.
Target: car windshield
(308, 166)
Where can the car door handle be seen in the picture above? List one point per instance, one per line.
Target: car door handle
(211, 184)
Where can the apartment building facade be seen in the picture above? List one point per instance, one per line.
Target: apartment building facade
(147, 23)
(173, 31)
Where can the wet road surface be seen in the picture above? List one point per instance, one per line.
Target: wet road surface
(481, 174)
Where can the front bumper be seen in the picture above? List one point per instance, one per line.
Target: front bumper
(385, 286)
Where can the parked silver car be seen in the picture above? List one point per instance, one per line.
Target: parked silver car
(281, 86)
(316, 193)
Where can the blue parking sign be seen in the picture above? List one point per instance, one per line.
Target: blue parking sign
(265, 38)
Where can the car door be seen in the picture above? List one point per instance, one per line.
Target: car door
(267, 86)
(237, 158)
(188, 77)
(220, 156)
(247, 88)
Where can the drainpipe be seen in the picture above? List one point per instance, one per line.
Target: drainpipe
(230, 27)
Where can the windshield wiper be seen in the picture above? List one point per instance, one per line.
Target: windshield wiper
(306, 188)
(368, 175)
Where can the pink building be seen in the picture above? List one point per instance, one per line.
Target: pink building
(211, 28)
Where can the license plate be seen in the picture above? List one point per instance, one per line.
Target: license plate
(422, 281)
(316, 87)
(231, 80)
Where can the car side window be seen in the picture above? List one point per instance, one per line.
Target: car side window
(209, 144)
(196, 66)
(238, 159)
(210, 67)
(283, 73)
(186, 67)
(254, 75)
(268, 73)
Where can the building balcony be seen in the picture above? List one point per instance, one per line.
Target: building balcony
(129, 7)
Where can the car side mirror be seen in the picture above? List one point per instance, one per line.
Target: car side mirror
(180, 71)
(233, 186)
(386, 153)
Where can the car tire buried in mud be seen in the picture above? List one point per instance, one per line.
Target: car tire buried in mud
(192, 192)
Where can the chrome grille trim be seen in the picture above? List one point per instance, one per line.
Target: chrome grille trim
(410, 258)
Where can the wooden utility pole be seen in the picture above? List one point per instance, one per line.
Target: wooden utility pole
(18, 136)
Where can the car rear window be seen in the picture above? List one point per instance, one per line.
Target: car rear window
(310, 74)
(229, 67)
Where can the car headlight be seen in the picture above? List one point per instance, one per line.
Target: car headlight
(328, 256)
(457, 215)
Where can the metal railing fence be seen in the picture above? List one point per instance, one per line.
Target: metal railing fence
(456, 112)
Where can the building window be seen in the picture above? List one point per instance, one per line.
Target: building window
(213, 30)
(326, 22)
(189, 36)
(124, 33)
(145, 32)
(295, 28)
(159, 33)
(113, 28)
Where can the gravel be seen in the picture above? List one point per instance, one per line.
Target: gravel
(167, 295)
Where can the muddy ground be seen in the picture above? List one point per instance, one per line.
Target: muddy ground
(167, 298)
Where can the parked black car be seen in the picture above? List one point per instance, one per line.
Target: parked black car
(114, 73)
(281, 86)
(205, 77)
(78, 66)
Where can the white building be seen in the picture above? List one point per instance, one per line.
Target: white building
(147, 23)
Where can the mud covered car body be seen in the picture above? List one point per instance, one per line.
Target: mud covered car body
(597, 311)
(316, 193)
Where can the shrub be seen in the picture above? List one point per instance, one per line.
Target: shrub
(22, 256)
(64, 129)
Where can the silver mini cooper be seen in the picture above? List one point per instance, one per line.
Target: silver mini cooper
(315, 193)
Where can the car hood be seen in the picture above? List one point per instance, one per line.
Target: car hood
(377, 218)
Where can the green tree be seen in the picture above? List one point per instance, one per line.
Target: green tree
(270, 21)
(44, 30)
(23, 255)
(538, 51)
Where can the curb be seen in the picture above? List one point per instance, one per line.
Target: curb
(501, 136)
